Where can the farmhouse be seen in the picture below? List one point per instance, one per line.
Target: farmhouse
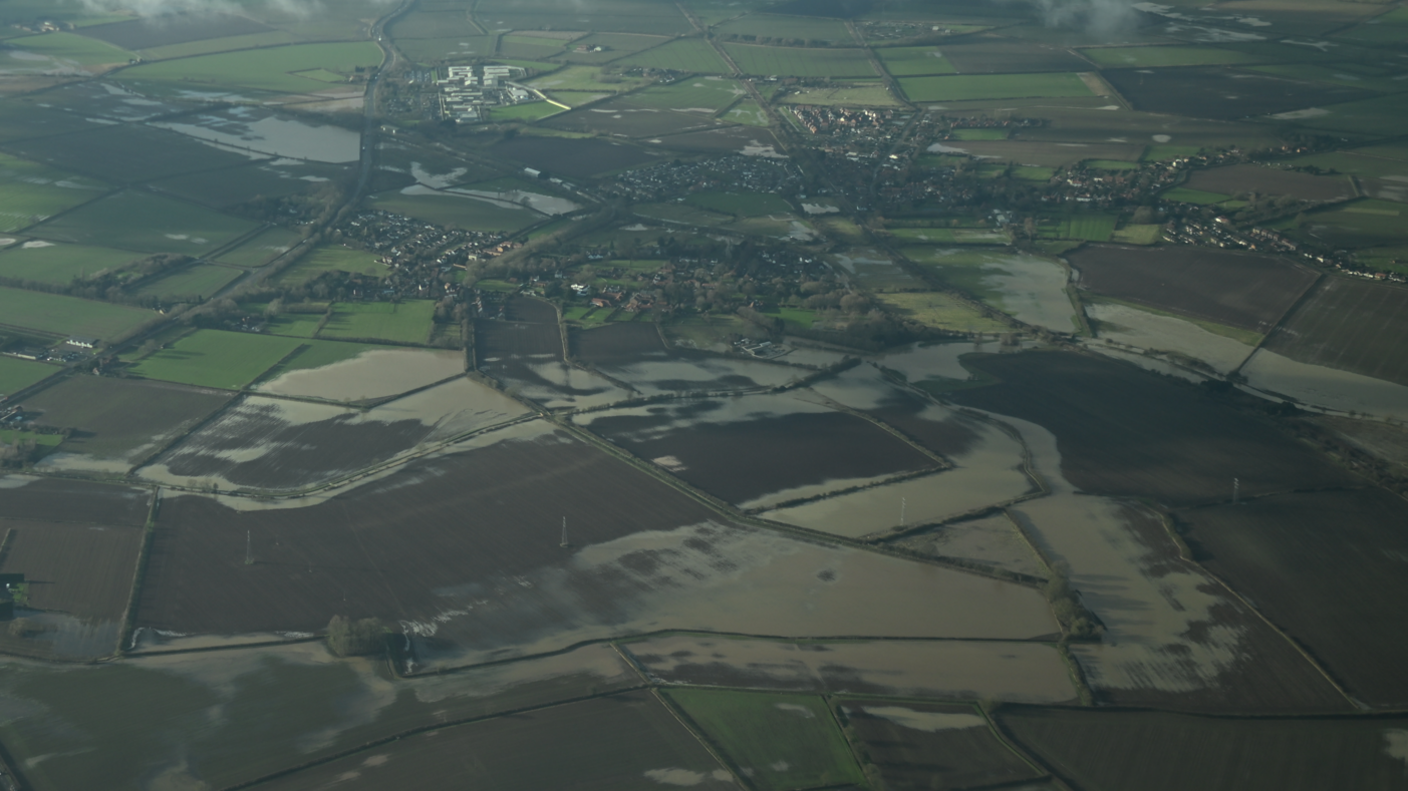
(82, 342)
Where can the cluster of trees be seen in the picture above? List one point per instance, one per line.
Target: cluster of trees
(363, 637)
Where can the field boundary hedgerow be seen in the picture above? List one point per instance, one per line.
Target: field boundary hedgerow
(129, 614)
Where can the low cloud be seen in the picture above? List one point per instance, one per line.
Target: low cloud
(1099, 17)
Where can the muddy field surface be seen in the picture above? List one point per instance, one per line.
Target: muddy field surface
(1122, 431)
(393, 548)
(268, 444)
(925, 746)
(1239, 179)
(117, 420)
(616, 344)
(1242, 290)
(59, 500)
(1326, 567)
(739, 456)
(532, 310)
(525, 354)
(627, 741)
(82, 570)
(1351, 325)
(1220, 93)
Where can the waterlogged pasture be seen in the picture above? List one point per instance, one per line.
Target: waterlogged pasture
(1130, 326)
(1322, 386)
(38, 261)
(374, 373)
(950, 669)
(254, 130)
(1030, 289)
(31, 193)
(147, 223)
(272, 69)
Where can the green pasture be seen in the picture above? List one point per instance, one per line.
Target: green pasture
(136, 220)
(685, 54)
(17, 374)
(979, 134)
(959, 87)
(528, 111)
(1147, 57)
(1375, 162)
(782, 741)
(214, 358)
(73, 48)
(295, 325)
(1376, 117)
(875, 95)
(192, 283)
(210, 46)
(1200, 197)
(585, 78)
(788, 28)
(800, 61)
(747, 112)
(270, 69)
(699, 92)
(405, 322)
(449, 48)
(680, 213)
(54, 314)
(457, 212)
(748, 204)
(258, 251)
(332, 258)
(60, 264)
(615, 46)
(941, 310)
(913, 61)
(1160, 153)
(31, 192)
(1032, 173)
(797, 317)
(530, 47)
(1088, 227)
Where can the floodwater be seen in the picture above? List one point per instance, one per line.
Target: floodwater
(1326, 387)
(659, 376)
(992, 540)
(920, 362)
(70, 638)
(927, 721)
(1145, 330)
(251, 129)
(1149, 363)
(547, 204)
(560, 385)
(1161, 631)
(946, 669)
(375, 373)
(1033, 290)
(713, 578)
(264, 435)
(990, 472)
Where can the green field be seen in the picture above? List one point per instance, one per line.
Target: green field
(1149, 57)
(16, 374)
(59, 264)
(800, 62)
(778, 741)
(332, 258)
(69, 48)
(913, 61)
(31, 192)
(960, 87)
(295, 325)
(1200, 197)
(747, 112)
(874, 95)
(585, 78)
(686, 54)
(799, 317)
(1088, 227)
(212, 45)
(708, 93)
(789, 28)
(142, 221)
(272, 69)
(528, 111)
(1362, 223)
(213, 358)
(746, 204)
(1138, 234)
(457, 212)
(406, 322)
(192, 283)
(258, 251)
(53, 314)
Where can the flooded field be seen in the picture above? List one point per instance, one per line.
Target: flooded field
(209, 720)
(990, 540)
(251, 129)
(712, 578)
(1321, 386)
(694, 373)
(1009, 671)
(939, 360)
(761, 450)
(375, 373)
(271, 443)
(1145, 330)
